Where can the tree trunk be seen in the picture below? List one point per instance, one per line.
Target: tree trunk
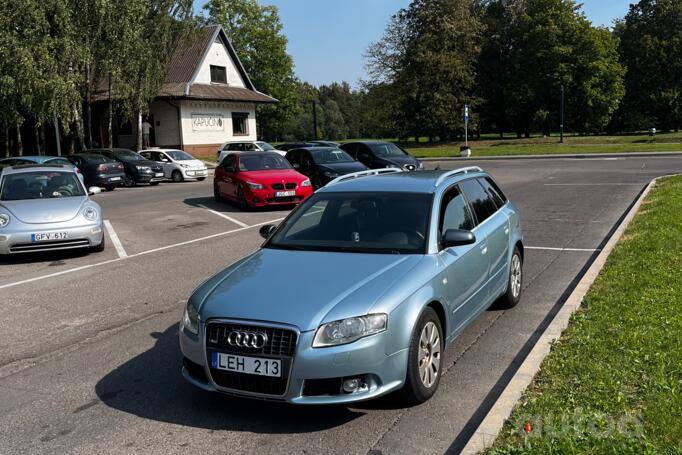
(88, 109)
(37, 135)
(110, 132)
(41, 131)
(6, 142)
(139, 130)
(20, 144)
(78, 124)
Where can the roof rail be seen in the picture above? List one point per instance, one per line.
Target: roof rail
(354, 175)
(464, 170)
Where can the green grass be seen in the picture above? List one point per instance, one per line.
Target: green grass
(612, 383)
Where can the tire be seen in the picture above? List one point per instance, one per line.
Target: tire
(128, 181)
(109, 187)
(241, 200)
(425, 359)
(99, 248)
(216, 194)
(153, 183)
(514, 283)
(201, 179)
(177, 176)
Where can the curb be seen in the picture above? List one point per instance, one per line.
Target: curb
(552, 156)
(486, 433)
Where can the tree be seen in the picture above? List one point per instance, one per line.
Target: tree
(651, 49)
(256, 34)
(427, 58)
(535, 47)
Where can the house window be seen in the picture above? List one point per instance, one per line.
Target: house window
(218, 74)
(240, 124)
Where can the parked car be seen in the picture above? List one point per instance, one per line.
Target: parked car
(323, 164)
(137, 168)
(46, 207)
(245, 146)
(98, 170)
(359, 291)
(259, 179)
(378, 154)
(177, 164)
(295, 145)
(326, 143)
(39, 159)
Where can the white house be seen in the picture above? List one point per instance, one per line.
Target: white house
(207, 98)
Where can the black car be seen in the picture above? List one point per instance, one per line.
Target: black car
(325, 143)
(323, 164)
(378, 154)
(98, 170)
(137, 168)
(295, 145)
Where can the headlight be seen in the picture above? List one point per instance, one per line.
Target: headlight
(186, 166)
(4, 220)
(331, 175)
(190, 320)
(144, 168)
(348, 330)
(255, 186)
(90, 213)
(306, 182)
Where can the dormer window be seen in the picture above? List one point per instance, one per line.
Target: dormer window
(218, 74)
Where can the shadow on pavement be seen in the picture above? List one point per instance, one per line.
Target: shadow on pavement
(229, 207)
(151, 386)
(54, 257)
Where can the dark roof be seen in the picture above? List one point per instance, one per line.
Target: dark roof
(185, 63)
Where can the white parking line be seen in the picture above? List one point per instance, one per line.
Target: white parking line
(593, 184)
(167, 247)
(229, 218)
(549, 248)
(115, 240)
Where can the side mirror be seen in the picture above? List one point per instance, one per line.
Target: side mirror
(457, 237)
(296, 166)
(267, 230)
(94, 190)
(165, 160)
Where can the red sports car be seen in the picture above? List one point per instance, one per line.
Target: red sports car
(259, 179)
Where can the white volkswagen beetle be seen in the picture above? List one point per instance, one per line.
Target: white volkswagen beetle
(177, 164)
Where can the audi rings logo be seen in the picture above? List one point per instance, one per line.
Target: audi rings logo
(256, 340)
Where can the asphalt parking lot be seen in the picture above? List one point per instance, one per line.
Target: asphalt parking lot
(89, 357)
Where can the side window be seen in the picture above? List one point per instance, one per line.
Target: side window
(455, 212)
(480, 201)
(350, 149)
(230, 163)
(292, 157)
(306, 161)
(494, 191)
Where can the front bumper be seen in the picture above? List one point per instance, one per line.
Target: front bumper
(108, 179)
(144, 177)
(16, 238)
(365, 358)
(267, 197)
(195, 173)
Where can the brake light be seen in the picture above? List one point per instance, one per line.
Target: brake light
(103, 168)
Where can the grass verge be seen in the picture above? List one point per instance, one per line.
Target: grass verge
(613, 382)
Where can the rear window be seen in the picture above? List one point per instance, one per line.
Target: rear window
(264, 162)
(481, 202)
(494, 191)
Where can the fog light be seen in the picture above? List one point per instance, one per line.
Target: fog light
(353, 385)
(95, 230)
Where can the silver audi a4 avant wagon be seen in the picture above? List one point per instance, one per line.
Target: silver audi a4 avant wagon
(359, 291)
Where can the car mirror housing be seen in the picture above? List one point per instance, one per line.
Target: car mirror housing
(267, 230)
(457, 237)
(94, 190)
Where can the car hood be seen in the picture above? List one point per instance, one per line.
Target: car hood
(36, 211)
(194, 164)
(301, 288)
(275, 176)
(343, 168)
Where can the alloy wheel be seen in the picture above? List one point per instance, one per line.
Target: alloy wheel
(429, 354)
(515, 276)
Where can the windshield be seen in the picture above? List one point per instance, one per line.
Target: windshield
(385, 223)
(40, 185)
(330, 156)
(386, 149)
(179, 155)
(265, 146)
(129, 156)
(262, 162)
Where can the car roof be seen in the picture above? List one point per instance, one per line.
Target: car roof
(114, 150)
(36, 167)
(317, 147)
(400, 182)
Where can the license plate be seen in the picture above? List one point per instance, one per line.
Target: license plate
(158, 174)
(43, 236)
(114, 179)
(285, 193)
(249, 365)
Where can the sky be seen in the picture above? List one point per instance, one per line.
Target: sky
(328, 38)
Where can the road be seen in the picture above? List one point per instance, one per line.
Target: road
(89, 358)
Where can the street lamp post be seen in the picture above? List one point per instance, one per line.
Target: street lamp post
(561, 125)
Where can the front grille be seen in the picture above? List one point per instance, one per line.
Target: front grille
(281, 344)
(281, 186)
(53, 245)
(284, 200)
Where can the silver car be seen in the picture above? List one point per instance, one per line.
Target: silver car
(359, 291)
(46, 207)
(177, 164)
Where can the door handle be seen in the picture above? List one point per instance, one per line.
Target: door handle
(484, 249)
(506, 229)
